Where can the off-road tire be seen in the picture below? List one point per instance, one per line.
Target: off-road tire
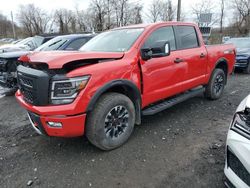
(96, 121)
(211, 91)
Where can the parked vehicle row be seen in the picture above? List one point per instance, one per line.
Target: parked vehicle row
(29, 43)
(7, 40)
(9, 60)
(103, 90)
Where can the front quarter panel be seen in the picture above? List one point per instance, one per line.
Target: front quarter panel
(103, 73)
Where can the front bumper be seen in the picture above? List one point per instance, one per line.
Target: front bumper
(72, 125)
(237, 167)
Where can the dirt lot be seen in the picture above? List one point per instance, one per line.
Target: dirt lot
(180, 147)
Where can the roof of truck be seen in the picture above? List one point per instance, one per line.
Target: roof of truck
(157, 23)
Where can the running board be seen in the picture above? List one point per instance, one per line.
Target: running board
(171, 102)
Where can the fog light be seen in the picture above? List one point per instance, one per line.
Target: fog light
(54, 124)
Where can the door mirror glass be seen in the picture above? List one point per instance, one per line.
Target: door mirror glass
(159, 49)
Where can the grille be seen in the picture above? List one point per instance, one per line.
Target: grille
(28, 96)
(26, 82)
(238, 168)
(26, 88)
(241, 62)
(34, 85)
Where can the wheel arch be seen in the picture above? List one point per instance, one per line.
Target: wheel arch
(222, 64)
(123, 86)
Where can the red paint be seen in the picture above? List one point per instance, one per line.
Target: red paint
(162, 77)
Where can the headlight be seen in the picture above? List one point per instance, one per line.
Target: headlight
(241, 123)
(65, 91)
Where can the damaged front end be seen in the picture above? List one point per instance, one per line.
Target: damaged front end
(46, 83)
(8, 75)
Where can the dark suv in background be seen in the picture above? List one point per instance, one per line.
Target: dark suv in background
(242, 53)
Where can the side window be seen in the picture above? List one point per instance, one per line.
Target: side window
(76, 44)
(161, 34)
(187, 37)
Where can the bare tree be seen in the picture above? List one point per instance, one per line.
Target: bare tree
(81, 20)
(107, 14)
(137, 12)
(161, 10)
(154, 11)
(65, 20)
(242, 15)
(167, 11)
(120, 11)
(33, 19)
(222, 14)
(5, 26)
(205, 7)
(99, 11)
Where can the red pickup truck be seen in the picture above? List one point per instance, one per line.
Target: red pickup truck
(103, 90)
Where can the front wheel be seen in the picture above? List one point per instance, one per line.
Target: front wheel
(111, 122)
(215, 87)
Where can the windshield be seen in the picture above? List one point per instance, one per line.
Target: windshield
(53, 44)
(119, 40)
(240, 42)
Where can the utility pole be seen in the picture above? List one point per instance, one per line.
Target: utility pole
(179, 11)
(13, 26)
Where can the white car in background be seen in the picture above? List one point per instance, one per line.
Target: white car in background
(237, 167)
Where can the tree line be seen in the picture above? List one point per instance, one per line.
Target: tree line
(107, 14)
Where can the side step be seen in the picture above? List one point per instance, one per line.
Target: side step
(173, 101)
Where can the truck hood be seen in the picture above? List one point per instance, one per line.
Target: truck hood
(58, 59)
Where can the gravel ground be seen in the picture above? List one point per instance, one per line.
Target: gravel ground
(179, 147)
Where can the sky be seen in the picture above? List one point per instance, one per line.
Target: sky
(12, 5)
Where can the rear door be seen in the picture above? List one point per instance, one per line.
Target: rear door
(162, 77)
(192, 54)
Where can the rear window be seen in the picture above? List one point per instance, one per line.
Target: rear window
(187, 37)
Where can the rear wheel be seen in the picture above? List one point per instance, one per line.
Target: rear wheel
(215, 87)
(111, 122)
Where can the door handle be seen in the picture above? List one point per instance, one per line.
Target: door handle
(178, 60)
(202, 55)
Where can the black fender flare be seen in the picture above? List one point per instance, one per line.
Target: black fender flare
(226, 62)
(134, 93)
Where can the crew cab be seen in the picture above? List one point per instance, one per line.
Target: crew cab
(115, 79)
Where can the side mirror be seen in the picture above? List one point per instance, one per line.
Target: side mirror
(159, 49)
